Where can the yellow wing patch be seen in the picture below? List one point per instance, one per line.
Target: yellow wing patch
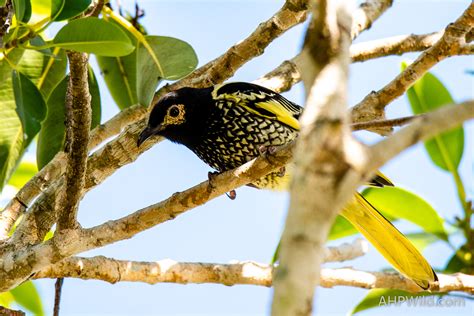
(281, 113)
(260, 101)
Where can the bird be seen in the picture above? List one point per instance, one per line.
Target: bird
(228, 124)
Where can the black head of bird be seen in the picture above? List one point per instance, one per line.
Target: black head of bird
(176, 116)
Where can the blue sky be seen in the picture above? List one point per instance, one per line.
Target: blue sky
(249, 227)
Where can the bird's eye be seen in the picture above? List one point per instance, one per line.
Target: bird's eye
(174, 111)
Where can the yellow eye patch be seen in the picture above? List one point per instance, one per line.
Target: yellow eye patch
(174, 115)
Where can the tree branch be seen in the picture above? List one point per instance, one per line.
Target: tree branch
(372, 106)
(78, 122)
(113, 270)
(383, 123)
(319, 159)
(421, 128)
(247, 272)
(366, 14)
(398, 45)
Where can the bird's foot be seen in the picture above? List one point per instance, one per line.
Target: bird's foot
(231, 194)
(267, 152)
(281, 172)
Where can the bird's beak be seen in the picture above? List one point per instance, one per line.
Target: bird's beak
(147, 133)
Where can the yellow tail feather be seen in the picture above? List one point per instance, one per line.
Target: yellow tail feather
(389, 241)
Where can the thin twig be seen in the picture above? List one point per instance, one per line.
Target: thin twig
(384, 123)
(58, 285)
(395, 45)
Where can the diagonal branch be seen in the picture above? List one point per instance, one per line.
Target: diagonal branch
(420, 129)
(366, 14)
(247, 272)
(383, 123)
(372, 106)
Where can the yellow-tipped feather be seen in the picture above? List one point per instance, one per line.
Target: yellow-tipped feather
(389, 241)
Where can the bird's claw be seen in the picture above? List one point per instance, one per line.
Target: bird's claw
(267, 151)
(231, 194)
(281, 172)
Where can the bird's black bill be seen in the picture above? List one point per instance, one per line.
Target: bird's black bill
(144, 135)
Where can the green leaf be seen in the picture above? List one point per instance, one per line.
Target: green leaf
(426, 95)
(22, 10)
(53, 71)
(119, 74)
(52, 134)
(95, 99)
(93, 35)
(30, 64)
(176, 57)
(171, 59)
(11, 132)
(454, 265)
(42, 10)
(134, 78)
(66, 9)
(402, 204)
(461, 261)
(383, 297)
(37, 42)
(5, 68)
(30, 105)
(28, 297)
(22, 174)
(341, 228)
(45, 70)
